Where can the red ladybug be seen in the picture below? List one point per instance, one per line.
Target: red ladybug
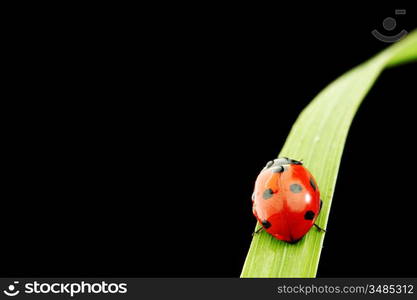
(286, 200)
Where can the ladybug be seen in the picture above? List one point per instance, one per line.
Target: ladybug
(286, 199)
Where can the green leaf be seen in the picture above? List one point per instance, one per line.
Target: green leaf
(318, 137)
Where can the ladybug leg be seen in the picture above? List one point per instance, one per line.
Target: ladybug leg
(321, 205)
(257, 231)
(319, 228)
(294, 241)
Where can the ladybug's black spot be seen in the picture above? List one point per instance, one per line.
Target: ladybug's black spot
(309, 215)
(266, 224)
(278, 169)
(312, 184)
(268, 194)
(295, 188)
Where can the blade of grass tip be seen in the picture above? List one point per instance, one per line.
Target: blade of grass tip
(318, 136)
(403, 52)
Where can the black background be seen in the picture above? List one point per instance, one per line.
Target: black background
(134, 138)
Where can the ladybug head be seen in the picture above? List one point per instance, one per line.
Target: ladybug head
(282, 161)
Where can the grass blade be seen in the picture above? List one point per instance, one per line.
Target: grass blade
(318, 137)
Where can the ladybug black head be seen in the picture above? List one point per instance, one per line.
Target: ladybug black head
(282, 161)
